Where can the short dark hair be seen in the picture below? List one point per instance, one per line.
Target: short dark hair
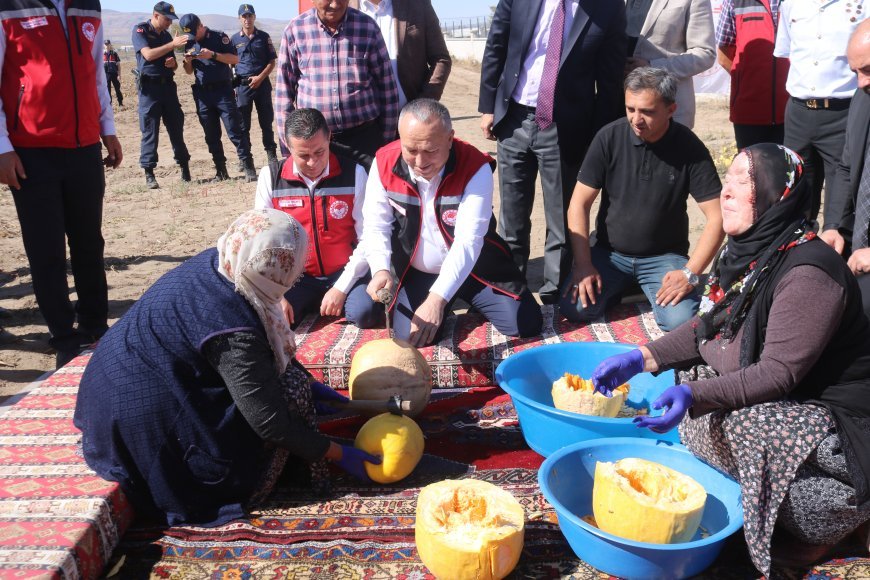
(304, 124)
(658, 80)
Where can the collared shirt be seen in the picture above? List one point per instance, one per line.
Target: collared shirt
(107, 116)
(255, 52)
(213, 71)
(383, 14)
(526, 91)
(635, 14)
(346, 75)
(813, 35)
(726, 29)
(472, 222)
(356, 265)
(146, 36)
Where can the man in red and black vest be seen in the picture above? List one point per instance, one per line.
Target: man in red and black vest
(428, 215)
(56, 109)
(323, 192)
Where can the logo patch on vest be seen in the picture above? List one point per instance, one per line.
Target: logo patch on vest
(290, 202)
(34, 23)
(449, 217)
(338, 209)
(89, 31)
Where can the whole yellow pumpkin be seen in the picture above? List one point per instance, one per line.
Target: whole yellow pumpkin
(577, 395)
(397, 439)
(386, 367)
(645, 501)
(468, 530)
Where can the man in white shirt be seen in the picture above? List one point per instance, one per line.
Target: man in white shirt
(324, 192)
(813, 35)
(428, 215)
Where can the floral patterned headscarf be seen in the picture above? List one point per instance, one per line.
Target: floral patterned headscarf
(263, 254)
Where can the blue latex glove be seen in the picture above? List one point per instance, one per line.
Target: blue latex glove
(353, 459)
(676, 400)
(321, 394)
(616, 370)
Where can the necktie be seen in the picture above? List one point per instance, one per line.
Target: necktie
(547, 90)
(862, 206)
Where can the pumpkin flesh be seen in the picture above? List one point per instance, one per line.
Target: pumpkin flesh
(577, 395)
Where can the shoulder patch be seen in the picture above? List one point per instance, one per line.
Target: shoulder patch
(140, 30)
(225, 39)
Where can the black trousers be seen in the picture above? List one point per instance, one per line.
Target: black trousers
(359, 143)
(747, 135)
(818, 136)
(62, 201)
(864, 285)
(262, 99)
(112, 80)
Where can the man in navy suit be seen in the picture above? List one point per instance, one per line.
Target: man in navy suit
(543, 101)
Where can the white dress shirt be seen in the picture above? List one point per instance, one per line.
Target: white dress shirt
(356, 265)
(452, 265)
(529, 81)
(813, 35)
(107, 116)
(382, 13)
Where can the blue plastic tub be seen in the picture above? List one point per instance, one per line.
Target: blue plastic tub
(566, 479)
(528, 378)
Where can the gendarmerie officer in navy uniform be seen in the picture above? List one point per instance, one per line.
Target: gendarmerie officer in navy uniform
(158, 96)
(257, 58)
(209, 56)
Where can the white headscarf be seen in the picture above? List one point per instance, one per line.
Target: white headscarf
(263, 253)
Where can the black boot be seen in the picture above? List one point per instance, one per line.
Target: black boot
(271, 156)
(250, 172)
(150, 180)
(241, 167)
(221, 171)
(185, 171)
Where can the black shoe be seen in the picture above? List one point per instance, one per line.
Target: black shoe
(250, 172)
(150, 180)
(65, 356)
(220, 172)
(185, 171)
(241, 167)
(271, 156)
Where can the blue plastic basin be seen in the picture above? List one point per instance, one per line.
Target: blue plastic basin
(566, 479)
(528, 378)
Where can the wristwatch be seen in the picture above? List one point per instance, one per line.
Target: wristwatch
(691, 277)
(213, 56)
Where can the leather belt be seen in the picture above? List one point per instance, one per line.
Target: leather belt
(829, 104)
(528, 110)
(214, 86)
(357, 128)
(155, 80)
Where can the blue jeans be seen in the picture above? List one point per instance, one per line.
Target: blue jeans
(359, 308)
(618, 271)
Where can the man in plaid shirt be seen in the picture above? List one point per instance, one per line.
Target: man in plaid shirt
(334, 59)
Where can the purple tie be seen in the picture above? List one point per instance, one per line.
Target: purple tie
(547, 90)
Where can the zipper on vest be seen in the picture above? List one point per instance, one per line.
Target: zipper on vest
(72, 71)
(314, 231)
(18, 108)
(325, 214)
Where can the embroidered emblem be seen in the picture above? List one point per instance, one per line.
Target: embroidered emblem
(34, 23)
(225, 39)
(338, 209)
(89, 31)
(449, 217)
(140, 30)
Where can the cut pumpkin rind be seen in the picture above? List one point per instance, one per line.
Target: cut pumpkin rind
(469, 529)
(577, 395)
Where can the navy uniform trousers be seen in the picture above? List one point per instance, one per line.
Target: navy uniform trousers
(216, 102)
(261, 98)
(158, 99)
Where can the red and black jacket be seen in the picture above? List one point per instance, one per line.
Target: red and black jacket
(49, 87)
(326, 213)
(495, 266)
(758, 95)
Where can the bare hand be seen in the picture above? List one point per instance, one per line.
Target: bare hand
(585, 285)
(205, 54)
(332, 303)
(381, 279)
(287, 309)
(674, 288)
(427, 320)
(11, 170)
(486, 126)
(113, 149)
(170, 62)
(834, 239)
(256, 82)
(180, 40)
(859, 261)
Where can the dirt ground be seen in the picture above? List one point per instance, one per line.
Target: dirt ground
(147, 232)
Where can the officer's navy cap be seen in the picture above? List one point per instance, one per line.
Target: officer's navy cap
(107, 41)
(189, 23)
(165, 9)
(246, 9)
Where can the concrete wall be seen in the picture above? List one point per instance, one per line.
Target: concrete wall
(466, 48)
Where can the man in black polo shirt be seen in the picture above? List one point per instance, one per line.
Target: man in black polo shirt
(646, 166)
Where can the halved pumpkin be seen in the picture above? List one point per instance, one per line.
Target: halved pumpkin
(577, 395)
(386, 367)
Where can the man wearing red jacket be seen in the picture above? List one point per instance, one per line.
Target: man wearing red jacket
(323, 192)
(50, 156)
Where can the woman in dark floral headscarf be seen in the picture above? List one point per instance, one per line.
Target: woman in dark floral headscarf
(781, 396)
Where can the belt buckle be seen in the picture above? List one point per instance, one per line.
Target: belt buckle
(812, 103)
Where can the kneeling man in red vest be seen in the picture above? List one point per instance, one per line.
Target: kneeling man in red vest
(323, 192)
(428, 216)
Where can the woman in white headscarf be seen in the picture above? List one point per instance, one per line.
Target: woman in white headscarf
(193, 400)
